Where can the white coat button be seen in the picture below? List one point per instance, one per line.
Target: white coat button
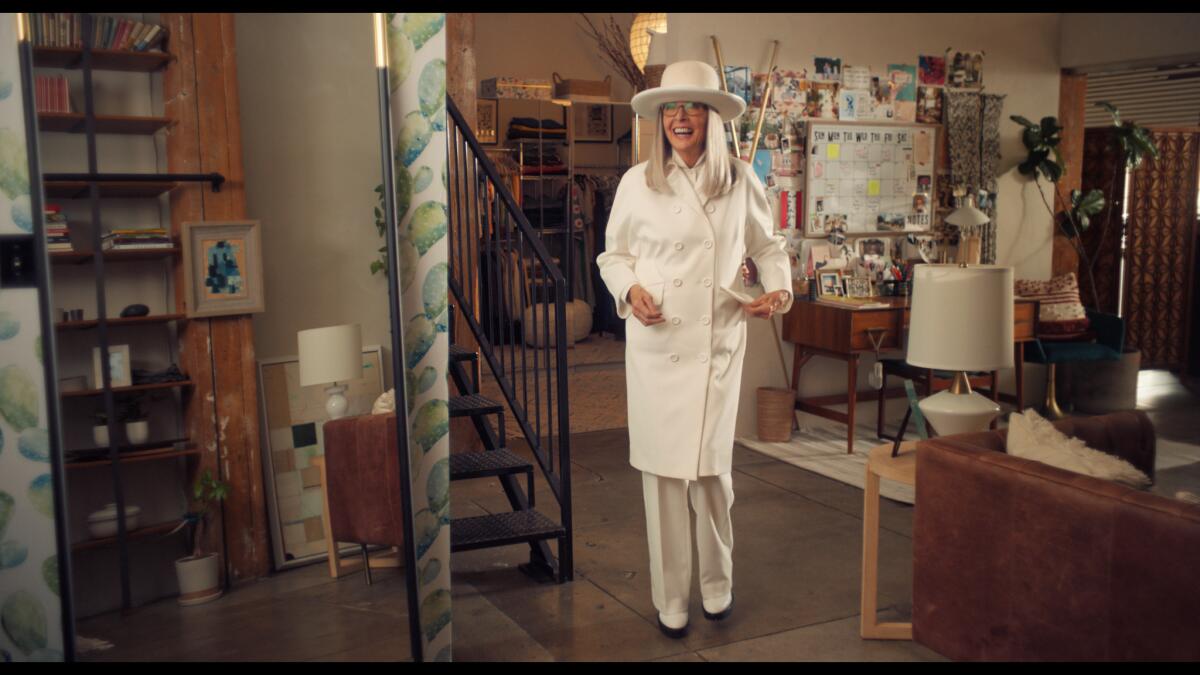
(674, 358)
(676, 321)
(703, 358)
(679, 246)
(707, 282)
(708, 243)
(676, 209)
(711, 209)
(705, 320)
(678, 282)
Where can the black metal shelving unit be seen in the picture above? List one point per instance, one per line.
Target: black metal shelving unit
(93, 186)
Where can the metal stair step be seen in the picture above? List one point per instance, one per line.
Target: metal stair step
(462, 354)
(472, 405)
(466, 465)
(501, 529)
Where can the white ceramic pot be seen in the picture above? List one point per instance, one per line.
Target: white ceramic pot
(137, 432)
(100, 435)
(199, 579)
(103, 523)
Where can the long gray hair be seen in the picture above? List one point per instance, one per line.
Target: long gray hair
(716, 176)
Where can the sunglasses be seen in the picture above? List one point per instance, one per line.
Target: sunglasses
(689, 107)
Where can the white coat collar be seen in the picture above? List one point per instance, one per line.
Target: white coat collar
(682, 183)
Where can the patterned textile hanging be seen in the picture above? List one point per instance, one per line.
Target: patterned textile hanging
(973, 134)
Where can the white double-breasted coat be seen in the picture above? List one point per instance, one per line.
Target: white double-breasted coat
(683, 376)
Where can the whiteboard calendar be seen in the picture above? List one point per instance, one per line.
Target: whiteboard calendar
(869, 178)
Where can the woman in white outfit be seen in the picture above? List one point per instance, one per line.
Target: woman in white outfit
(681, 225)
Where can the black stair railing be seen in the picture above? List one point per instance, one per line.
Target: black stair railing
(512, 296)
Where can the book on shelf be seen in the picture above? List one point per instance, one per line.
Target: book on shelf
(65, 29)
(52, 94)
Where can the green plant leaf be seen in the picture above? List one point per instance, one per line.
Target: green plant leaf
(1051, 170)
(1031, 139)
(1049, 126)
(1022, 121)
(1112, 110)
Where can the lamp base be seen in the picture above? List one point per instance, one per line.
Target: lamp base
(337, 404)
(951, 413)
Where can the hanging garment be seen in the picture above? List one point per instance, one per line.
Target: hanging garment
(973, 135)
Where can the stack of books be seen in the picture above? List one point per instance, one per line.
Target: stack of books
(58, 237)
(65, 29)
(51, 94)
(136, 238)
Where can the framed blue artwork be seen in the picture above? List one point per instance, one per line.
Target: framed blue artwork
(223, 272)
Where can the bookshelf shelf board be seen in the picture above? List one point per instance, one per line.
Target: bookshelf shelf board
(80, 257)
(125, 390)
(75, 123)
(121, 321)
(162, 452)
(141, 532)
(71, 58)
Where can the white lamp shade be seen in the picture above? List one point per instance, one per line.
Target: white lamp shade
(330, 354)
(645, 25)
(962, 318)
(967, 216)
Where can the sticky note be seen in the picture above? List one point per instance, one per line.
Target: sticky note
(834, 150)
(872, 188)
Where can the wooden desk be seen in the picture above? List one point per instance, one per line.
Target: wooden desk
(843, 333)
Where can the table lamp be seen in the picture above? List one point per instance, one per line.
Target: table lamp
(328, 356)
(962, 320)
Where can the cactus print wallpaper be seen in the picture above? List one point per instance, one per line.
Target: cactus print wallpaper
(417, 83)
(30, 607)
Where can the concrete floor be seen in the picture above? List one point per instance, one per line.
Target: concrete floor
(797, 563)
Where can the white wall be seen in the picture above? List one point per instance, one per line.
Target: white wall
(1021, 61)
(1099, 39)
(310, 131)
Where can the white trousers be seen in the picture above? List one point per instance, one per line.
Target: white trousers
(669, 534)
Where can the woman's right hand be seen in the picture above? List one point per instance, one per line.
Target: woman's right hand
(643, 306)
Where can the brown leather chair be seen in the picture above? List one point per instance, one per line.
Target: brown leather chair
(363, 473)
(1014, 559)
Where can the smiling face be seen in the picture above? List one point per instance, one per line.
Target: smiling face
(686, 125)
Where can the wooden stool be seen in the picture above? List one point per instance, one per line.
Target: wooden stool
(902, 469)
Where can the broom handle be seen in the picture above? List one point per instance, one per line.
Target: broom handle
(725, 88)
(762, 109)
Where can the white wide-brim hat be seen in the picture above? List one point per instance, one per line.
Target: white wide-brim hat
(689, 81)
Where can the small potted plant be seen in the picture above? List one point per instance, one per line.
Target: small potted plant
(199, 574)
(133, 413)
(100, 429)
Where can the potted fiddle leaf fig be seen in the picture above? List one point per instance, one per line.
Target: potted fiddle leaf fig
(199, 574)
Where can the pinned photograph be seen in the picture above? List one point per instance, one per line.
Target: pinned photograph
(834, 223)
(920, 203)
(964, 69)
(822, 100)
(790, 90)
(929, 105)
(890, 222)
(827, 69)
(737, 79)
(857, 78)
(868, 247)
(902, 80)
(931, 69)
(760, 89)
(924, 183)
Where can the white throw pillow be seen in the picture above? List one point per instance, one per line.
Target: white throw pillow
(1033, 437)
(386, 403)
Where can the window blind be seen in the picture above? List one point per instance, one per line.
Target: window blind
(1162, 96)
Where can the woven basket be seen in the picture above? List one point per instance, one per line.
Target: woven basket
(592, 88)
(775, 413)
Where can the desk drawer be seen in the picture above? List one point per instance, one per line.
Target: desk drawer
(864, 323)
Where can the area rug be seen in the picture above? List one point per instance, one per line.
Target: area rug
(822, 450)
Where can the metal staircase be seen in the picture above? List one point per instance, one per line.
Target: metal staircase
(510, 293)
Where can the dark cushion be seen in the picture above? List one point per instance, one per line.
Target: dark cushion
(1063, 352)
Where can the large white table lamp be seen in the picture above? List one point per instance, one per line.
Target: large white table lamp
(961, 321)
(328, 356)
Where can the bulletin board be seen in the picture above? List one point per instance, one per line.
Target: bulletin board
(869, 178)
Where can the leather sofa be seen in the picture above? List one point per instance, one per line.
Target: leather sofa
(363, 480)
(1017, 560)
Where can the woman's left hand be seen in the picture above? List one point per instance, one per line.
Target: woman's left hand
(766, 305)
